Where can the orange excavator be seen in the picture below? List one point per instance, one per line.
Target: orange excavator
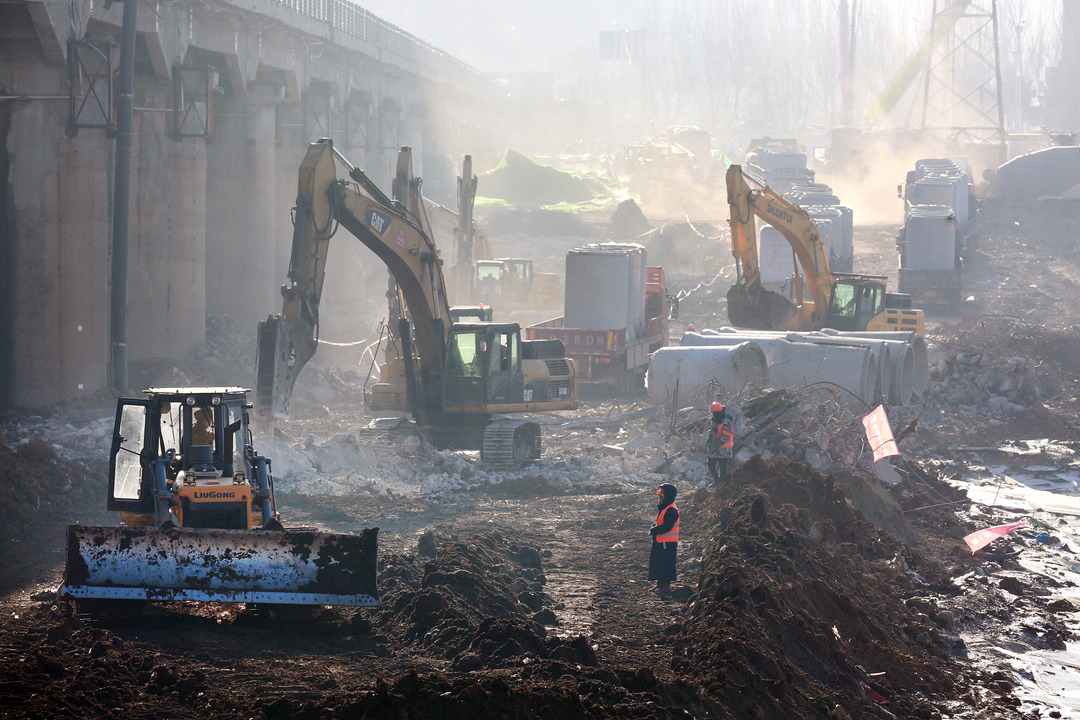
(842, 301)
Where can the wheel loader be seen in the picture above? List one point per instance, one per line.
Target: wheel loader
(198, 517)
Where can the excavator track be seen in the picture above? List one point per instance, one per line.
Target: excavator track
(509, 444)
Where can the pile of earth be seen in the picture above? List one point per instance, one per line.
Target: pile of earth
(41, 493)
(522, 182)
(477, 602)
(805, 609)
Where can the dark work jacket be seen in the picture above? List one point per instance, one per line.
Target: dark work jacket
(663, 555)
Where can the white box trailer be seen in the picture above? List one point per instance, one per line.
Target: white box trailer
(930, 263)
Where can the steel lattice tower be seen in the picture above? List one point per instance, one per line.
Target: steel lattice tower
(962, 93)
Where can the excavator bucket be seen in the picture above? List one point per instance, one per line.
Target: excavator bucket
(759, 308)
(297, 567)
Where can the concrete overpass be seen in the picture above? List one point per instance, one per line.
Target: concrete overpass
(227, 95)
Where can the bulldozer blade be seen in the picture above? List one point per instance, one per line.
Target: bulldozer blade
(253, 566)
(759, 308)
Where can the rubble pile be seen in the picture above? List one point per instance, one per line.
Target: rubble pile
(998, 365)
(800, 610)
(42, 490)
(479, 601)
(976, 382)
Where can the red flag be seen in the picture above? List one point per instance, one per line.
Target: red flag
(981, 538)
(880, 434)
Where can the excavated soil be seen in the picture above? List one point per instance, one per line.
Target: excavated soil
(801, 594)
(790, 605)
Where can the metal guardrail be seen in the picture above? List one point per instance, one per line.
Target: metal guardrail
(355, 21)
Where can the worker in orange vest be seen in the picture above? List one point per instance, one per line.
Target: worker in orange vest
(720, 443)
(665, 540)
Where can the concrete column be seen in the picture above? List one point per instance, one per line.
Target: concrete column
(167, 246)
(55, 248)
(241, 211)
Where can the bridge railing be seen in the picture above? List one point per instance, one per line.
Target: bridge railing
(355, 21)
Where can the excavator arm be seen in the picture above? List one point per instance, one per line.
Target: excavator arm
(395, 232)
(750, 304)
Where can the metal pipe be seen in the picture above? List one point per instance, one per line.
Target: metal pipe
(125, 90)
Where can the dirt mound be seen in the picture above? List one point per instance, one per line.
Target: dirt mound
(480, 602)
(41, 493)
(798, 607)
(521, 181)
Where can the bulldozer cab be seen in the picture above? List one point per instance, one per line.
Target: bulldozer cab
(193, 431)
(483, 365)
(855, 301)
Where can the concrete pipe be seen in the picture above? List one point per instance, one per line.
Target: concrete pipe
(703, 373)
(883, 357)
(920, 365)
(793, 362)
(885, 377)
(898, 388)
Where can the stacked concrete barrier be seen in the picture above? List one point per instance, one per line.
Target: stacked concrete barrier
(694, 376)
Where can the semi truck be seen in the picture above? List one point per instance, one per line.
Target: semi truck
(617, 314)
(938, 230)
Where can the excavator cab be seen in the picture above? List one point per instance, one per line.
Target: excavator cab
(483, 365)
(854, 303)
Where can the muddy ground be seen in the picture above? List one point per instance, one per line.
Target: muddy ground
(801, 594)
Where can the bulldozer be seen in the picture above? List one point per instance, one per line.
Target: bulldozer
(198, 516)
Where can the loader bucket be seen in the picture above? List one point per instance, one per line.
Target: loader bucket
(758, 308)
(253, 566)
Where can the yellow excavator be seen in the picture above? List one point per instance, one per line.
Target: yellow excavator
(454, 378)
(842, 301)
(510, 286)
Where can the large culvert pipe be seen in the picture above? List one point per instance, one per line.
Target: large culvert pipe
(794, 363)
(921, 369)
(883, 378)
(901, 367)
(701, 374)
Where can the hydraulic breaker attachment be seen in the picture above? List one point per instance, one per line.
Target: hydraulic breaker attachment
(253, 566)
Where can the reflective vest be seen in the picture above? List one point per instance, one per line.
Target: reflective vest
(726, 435)
(671, 535)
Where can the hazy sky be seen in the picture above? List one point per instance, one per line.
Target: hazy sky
(509, 35)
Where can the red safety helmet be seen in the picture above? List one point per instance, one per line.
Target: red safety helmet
(691, 327)
(716, 407)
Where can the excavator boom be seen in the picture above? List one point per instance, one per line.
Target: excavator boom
(397, 236)
(750, 304)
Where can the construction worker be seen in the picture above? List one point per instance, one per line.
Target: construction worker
(665, 540)
(720, 443)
